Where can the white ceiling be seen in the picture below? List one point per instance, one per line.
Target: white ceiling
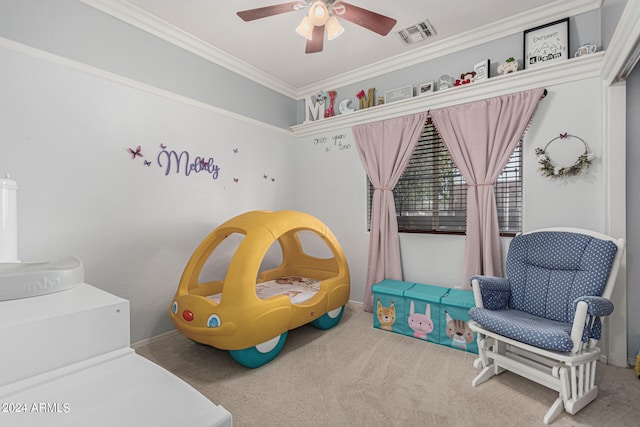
(271, 47)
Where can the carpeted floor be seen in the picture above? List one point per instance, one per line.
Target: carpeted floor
(355, 375)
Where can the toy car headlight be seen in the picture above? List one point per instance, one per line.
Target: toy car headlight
(213, 321)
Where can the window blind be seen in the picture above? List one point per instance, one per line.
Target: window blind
(431, 195)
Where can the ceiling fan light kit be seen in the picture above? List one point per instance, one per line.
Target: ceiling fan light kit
(323, 15)
(334, 29)
(319, 13)
(305, 29)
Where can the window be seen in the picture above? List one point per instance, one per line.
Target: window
(431, 195)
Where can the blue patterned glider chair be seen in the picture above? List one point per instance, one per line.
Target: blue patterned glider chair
(543, 320)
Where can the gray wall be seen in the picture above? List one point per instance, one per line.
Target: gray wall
(584, 28)
(79, 32)
(611, 12)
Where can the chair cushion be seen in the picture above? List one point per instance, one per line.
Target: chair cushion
(548, 270)
(525, 327)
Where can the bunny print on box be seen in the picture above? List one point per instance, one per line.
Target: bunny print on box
(420, 323)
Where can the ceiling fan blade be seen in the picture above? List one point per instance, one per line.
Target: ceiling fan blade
(317, 40)
(263, 12)
(366, 18)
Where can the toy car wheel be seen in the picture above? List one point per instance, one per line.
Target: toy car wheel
(261, 354)
(329, 319)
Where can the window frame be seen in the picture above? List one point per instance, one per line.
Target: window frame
(508, 187)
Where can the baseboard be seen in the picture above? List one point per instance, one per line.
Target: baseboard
(356, 303)
(631, 362)
(153, 339)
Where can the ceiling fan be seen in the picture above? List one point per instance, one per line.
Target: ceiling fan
(324, 14)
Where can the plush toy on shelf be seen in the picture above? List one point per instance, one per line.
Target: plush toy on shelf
(465, 78)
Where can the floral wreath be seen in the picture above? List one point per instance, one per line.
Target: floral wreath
(549, 168)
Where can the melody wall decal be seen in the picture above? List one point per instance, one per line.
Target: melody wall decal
(175, 161)
(171, 160)
(183, 162)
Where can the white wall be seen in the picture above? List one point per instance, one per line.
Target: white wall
(65, 139)
(334, 188)
(65, 136)
(577, 109)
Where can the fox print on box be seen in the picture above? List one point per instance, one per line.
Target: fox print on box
(386, 315)
(459, 332)
(420, 323)
(390, 308)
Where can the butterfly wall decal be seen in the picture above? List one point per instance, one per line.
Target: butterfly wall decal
(136, 152)
(235, 151)
(162, 146)
(235, 180)
(147, 163)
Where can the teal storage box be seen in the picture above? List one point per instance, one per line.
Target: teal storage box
(389, 307)
(423, 305)
(454, 321)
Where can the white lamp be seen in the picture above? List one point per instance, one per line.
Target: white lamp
(334, 29)
(318, 13)
(305, 29)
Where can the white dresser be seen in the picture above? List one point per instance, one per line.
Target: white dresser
(65, 361)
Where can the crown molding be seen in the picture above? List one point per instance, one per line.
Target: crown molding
(133, 15)
(126, 12)
(574, 69)
(106, 75)
(496, 30)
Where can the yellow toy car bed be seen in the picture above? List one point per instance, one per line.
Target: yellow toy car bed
(250, 312)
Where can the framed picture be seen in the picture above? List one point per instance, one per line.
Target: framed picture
(398, 94)
(546, 44)
(425, 88)
(482, 70)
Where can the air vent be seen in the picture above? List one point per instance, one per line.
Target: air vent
(417, 33)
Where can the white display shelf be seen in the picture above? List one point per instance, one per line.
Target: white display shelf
(574, 69)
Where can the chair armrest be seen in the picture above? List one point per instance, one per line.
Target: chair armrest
(587, 321)
(596, 306)
(492, 292)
